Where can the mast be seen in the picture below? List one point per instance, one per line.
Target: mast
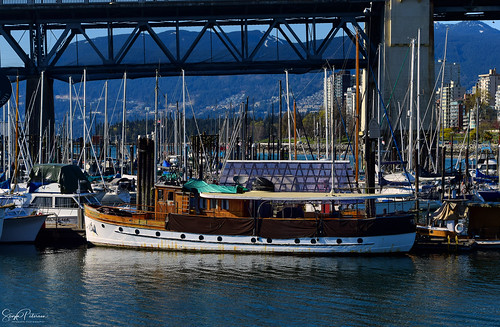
(440, 119)
(41, 123)
(477, 131)
(156, 130)
(9, 132)
(379, 139)
(3, 139)
(106, 136)
(124, 120)
(418, 107)
(84, 120)
(295, 129)
(184, 125)
(279, 122)
(356, 137)
(410, 128)
(176, 129)
(325, 105)
(70, 82)
(289, 116)
(16, 146)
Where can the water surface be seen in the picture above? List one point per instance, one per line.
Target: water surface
(117, 287)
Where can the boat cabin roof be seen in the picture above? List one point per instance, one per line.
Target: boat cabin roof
(300, 196)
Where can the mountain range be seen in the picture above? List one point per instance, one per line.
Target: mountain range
(474, 45)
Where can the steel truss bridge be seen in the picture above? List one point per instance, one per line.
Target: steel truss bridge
(58, 36)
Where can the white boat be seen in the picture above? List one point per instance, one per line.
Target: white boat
(20, 226)
(56, 190)
(203, 217)
(2, 215)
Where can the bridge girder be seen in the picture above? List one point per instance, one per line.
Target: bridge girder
(209, 19)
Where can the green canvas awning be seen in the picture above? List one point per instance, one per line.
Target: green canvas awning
(204, 187)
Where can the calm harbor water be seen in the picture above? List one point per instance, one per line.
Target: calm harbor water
(117, 287)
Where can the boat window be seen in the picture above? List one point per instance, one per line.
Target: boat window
(160, 195)
(42, 202)
(66, 203)
(90, 199)
(213, 203)
(203, 203)
(170, 196)
(225, 204)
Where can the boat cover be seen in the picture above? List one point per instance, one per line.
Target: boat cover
(203, 187)
(70, 178)
(451, 211)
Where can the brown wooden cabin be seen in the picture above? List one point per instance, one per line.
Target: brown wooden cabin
(172, 199)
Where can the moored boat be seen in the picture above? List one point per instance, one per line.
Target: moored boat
(20, 225)
(476, 224)
(204, 217)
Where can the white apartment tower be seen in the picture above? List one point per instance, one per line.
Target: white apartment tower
(489, 82)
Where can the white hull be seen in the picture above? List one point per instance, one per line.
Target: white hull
(2, 215)
(108, 234)
(22, 229)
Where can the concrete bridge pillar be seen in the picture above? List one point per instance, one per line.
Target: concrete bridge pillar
(34, 97)
(402, 20)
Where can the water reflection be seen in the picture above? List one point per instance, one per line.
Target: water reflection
(115, 287)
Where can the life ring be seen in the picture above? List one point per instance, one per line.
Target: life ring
(459, 228)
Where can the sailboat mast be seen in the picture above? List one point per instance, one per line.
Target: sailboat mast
(379, 139)
(124, 120)
(184, 125)
(356, 137)
(41, 123)
(106, 136)
(16, 144)
(325, 105)
(418, 99)
(410, 128)
(155, 156)
(280, 121)
(84, 116)
(3, 139)
(295, 129)
(289, 115)
(441, 118)
(176, 129)
(70, 82)
(9, 132)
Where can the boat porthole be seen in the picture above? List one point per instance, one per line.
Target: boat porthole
(102, 225)
(158, 234)
(313, 241)
(253, 240)
(360, 240)
(137, 231)
(120, 229)
(297, 241)
(269, 240)
(183, 236)
(339, 241)
(219, 238)
(201, 237)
